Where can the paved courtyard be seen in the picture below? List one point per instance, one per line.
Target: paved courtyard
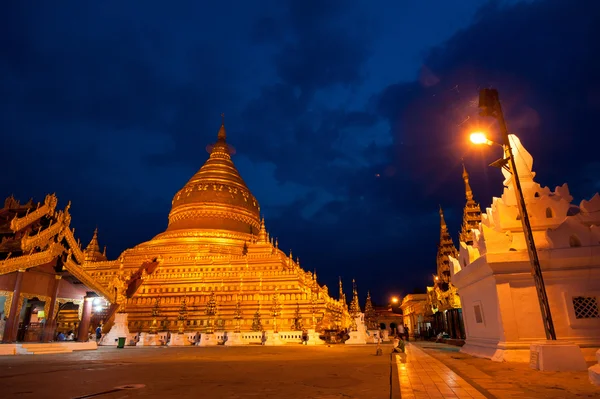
(218, 372)
(429, 371)
(440, 371)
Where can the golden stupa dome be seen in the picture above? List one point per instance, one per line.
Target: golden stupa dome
(216, 197)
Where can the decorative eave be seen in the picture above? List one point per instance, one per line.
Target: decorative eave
(25, 262)
(47, 208)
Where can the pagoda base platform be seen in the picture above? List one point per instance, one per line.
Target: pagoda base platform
(556, 356)
(179, 339)
(234, 339)
(150, 340)
(273, 339)
(373, 336)
(313, 338)
(356, 338)
(118, 330)
(594, 371)
(208, 340)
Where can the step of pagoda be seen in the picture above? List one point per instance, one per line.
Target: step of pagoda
(45, 349)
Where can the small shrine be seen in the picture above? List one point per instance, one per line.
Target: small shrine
(493, 273)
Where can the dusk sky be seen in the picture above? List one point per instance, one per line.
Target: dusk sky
(350, 118)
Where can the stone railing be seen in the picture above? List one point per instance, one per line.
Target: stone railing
(248, 337)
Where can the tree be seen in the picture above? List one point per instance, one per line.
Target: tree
(256, 322)
(297, 325)
(238, 315)
(370, 315)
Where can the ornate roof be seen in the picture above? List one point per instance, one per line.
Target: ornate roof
(92, 251)
(216, 197)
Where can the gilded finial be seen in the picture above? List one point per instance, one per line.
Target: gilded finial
(222, 135)
(468, 190)
(276, 242)
(442, 219)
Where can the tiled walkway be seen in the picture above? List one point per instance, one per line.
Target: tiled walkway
(423, 377)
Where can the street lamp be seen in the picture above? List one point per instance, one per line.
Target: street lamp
(489, 103)
(394, 299)
(480, 138)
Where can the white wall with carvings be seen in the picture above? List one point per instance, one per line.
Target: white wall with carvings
(500, 303)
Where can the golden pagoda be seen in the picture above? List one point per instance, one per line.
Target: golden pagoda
(471, 213)
(443, 299)
(445, 248)
(216, 244)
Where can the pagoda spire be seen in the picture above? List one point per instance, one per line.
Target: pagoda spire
(92, 251)
(342, 296)
(471, 212)
(222, 135)
(446, 248)
(262, 233)
(468, 191)
(442, 219)
(354, 305)
(370, 314)
(93, 245)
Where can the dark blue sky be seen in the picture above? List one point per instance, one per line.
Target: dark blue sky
(349, 117)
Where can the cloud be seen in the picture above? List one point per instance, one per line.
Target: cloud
(544, 74)
(348, 144)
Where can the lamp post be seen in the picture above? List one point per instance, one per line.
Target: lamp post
(489, 103)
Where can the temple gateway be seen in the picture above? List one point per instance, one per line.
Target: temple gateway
(214, 268)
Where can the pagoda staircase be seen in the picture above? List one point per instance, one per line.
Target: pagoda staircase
(136, 280)
(109, 318)
(44, 349)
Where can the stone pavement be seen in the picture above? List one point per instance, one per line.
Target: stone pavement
(294, 372)
(440, 371)
(423, 377)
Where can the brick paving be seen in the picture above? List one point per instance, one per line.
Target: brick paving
(440, 371)
(423, 377)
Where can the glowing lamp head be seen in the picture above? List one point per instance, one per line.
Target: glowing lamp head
(479, 138)
(97, 301)
(436, 278)
(394, 299)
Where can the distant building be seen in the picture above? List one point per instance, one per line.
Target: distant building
(493, 274)
(414, 310)
(444, 305)
(390, 318)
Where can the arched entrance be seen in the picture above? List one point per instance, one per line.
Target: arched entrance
(32, 319)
